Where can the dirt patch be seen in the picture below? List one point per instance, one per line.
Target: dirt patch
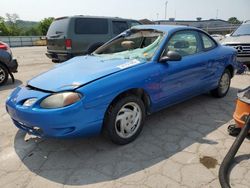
(208, 162)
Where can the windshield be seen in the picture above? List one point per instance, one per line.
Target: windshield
(133, 44)
(244, 29)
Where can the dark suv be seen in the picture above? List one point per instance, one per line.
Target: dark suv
(8, 64)
(240, 40)
(78, 35)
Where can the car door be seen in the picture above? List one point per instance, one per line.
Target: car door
(214, 60)
(182, 79)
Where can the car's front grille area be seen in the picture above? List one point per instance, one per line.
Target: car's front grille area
(31, 130)
(243, 49)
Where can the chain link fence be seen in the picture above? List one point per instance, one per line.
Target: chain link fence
(20, 41)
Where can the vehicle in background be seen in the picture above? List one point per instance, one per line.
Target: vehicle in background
(79, 35)
(240, 40)
(218, 37)
(8, 64)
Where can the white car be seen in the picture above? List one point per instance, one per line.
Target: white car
(240, 40)
(218, 37)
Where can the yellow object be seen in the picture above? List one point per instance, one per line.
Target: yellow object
(242, 110)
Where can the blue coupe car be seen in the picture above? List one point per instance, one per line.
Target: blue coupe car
(141, 71)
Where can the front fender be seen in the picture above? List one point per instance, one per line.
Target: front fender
(100, 93)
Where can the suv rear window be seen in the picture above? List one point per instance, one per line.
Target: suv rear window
(91, 26)
(58, 27)
(134, 23)
(119, 26)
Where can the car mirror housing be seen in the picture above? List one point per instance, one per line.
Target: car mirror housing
(171, 56)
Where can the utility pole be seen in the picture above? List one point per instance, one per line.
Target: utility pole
(217, 13)
(166, 7)
(157, 16)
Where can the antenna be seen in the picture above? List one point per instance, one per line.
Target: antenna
(157, 16)
(217, 13)
(166, 7)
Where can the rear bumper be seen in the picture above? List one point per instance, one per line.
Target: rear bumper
(13, 65)
(59, 57)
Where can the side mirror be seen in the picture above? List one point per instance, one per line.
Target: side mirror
(171, 56)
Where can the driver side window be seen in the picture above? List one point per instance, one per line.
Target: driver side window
(184, 42)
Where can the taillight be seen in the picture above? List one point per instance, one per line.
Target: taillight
(3, 46)
(68, 44)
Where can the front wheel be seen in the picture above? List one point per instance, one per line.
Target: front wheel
(224, 85)
(124, 120)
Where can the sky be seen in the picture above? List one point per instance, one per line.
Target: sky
(34, 10)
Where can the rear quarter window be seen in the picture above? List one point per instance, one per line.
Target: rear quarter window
(208, 43)
(91, 26)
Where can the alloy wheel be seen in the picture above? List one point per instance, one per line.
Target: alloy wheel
(128, 120)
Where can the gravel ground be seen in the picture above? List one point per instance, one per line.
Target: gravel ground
(181, 146)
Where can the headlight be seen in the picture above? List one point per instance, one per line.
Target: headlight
(60, 100)
(29, 102)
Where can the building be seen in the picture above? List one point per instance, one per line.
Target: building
(212, 26)
(146, 22)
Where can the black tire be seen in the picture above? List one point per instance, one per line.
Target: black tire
(233, 130)
(111, 126)
(4, 74)
(248, 66)
(56, 61)
(219, 92)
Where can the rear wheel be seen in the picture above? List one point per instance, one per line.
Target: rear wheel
(224, 85)
(124, 120)
(3, 74)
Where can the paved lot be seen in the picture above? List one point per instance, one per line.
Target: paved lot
(181, 146)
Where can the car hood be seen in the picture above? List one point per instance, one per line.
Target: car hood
(80, 71)
(245, 39)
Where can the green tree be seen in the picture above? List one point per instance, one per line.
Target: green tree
(44, 25)
(14, 29)
(4, 31)
(234, 20)
(33, 31)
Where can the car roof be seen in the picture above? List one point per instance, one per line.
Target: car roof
(87, 16)
(165, 28)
